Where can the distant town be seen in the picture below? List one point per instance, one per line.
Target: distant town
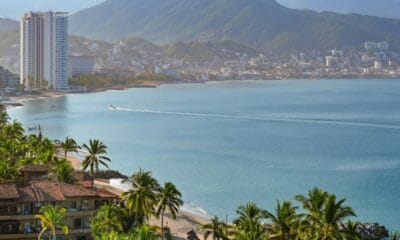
(48, 59)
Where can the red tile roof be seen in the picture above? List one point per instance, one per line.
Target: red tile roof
(76, 191)
(47, 191)
(8, 191)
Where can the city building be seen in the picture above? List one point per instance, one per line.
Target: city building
(331, 62)
(20, 203)
(384, 46)
(81, 65)
(370, 46)
(43, 50)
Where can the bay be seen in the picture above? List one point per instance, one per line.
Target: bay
(227, 143)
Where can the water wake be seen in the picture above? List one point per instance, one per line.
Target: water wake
(261, 118)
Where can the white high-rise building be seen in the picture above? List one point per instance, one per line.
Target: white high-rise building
(44, 50)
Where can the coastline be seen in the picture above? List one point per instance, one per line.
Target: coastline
(189, 217)
(18, 101)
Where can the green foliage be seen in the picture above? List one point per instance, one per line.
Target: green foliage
(169, 200)
(18, 149)
(96, 157)
(141, 199)
(99, 82)
(108, 219)
(52, 218)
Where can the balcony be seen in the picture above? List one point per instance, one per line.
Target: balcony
(22, 235)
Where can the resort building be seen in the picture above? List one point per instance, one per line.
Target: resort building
(20, 203)
(44, 50)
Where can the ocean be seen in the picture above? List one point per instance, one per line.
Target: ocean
(226, 143)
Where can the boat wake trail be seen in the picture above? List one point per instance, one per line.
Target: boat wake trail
(267, 119)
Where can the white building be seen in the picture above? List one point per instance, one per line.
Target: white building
(331, 62)
(81, 65)
(44, 49)
(370, 46)
(384, 46)
(377, 65)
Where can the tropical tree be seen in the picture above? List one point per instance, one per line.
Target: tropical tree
(62, 171)
(145, 232)
(285, 221)
(69, 145)
(169, 199)
(141, 199)
(52, 218)
(248, 225)
(350, 231)
(215, 229)
(248, 213)
(324, 214)
(108, 219)
(3, 115)
(96, 156)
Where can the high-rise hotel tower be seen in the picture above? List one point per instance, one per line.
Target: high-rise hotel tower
(44, 50)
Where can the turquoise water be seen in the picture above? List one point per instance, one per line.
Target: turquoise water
(227, 143)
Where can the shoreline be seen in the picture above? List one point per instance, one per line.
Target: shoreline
(15, 102)
(190, 216)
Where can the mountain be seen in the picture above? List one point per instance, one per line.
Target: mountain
(262, 24)
(8, 24)
(16, 8)
(380, 8)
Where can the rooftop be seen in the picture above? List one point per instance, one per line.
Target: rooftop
(48, 191)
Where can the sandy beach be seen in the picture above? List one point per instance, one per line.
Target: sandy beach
(17, 101)
(184, 222)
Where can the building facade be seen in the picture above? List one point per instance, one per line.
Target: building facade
(44, 50)
(20, 203)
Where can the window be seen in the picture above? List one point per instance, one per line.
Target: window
(77, 223)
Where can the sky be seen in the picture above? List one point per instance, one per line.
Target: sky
(16, 8)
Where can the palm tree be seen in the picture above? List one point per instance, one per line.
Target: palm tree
(142, 197)
(249, 213)
(333, 215)
(109, 218)
(324, 213)
(248, 225)
(52, 218)
(145, 232)
(313, 202)
(169, 198)
(69, 145)
(215, 228)
(256, 231)
(350, 231)
(97, 156)
(284, 222)
(62, 171)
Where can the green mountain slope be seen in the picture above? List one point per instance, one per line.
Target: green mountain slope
(207, 51)
(261, 24)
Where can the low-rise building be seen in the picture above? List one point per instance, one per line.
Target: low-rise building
(20, 203)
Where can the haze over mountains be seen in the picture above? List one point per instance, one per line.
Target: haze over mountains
(262, 24)
(381, 8)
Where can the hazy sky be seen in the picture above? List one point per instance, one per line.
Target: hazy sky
(16, 8)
